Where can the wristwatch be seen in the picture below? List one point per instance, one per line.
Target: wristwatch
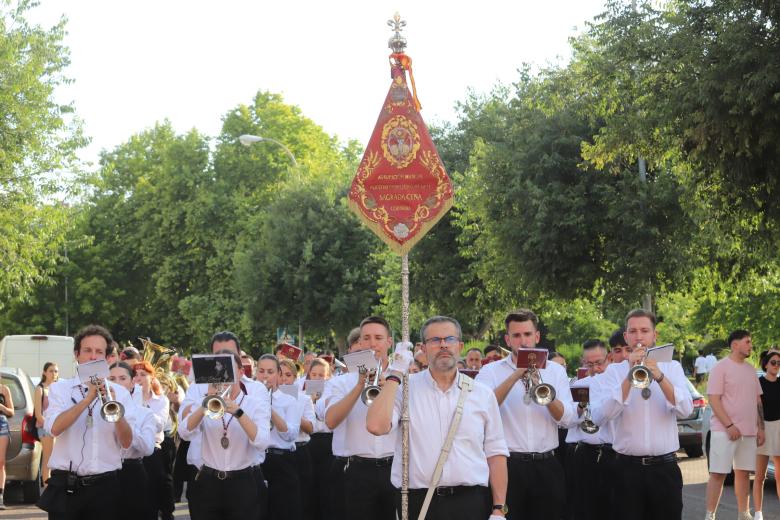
(238, 413)
(502, 507)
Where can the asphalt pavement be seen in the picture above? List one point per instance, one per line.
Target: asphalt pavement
(694, 473)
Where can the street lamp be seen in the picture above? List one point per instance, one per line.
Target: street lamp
(248, 140)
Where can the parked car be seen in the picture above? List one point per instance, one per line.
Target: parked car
(689, 429)
(23, 458)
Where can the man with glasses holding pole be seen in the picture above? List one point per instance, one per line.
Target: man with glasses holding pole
(458, 469)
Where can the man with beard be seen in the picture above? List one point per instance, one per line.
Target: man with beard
(473, 473)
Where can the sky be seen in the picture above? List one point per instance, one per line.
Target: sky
(134, 63)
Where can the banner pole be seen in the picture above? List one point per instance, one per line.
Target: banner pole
(405, 391)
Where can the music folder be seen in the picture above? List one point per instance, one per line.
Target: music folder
(582, 372)
(363, 358)
(214, 368)
(661, 353)
(290, 351)
(469, 372)
(97, 368)
(527, 357)
(314, 386)
(580, 394)
(291, 390)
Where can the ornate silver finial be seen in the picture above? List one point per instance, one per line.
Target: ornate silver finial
(397, 42)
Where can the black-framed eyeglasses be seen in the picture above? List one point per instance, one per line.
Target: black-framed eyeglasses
(592, 364)
(449, 341)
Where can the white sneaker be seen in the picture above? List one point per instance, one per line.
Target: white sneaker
(2, 505)
(744, 515)
(709, 516)
(758, 515)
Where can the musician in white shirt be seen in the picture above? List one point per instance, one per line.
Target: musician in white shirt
(536, 477)
(225, 486)
(645, 421)
(366, 459)
(284, 486)
(86, 459)
(477, 457)
(590, 460)
(145, 426)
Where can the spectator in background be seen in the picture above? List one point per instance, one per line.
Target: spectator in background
(557, 357)
(415, 367)
(618, 348)
(6, 411)
(40, 403)
(353, 339)
(421, 358)
(711, 360)
(770, 400)
(474, 359)
(700, 367)
(737, 426)
(492, 353)
(131, 356)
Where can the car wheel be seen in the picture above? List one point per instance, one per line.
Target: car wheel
(31, 490)
(694, 452)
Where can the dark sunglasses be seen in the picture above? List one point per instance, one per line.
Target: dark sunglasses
(775, 362)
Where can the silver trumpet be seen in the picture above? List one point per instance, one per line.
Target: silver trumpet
(540, 392)
(215, 404)
(639, 376)
(372, 388)
(110, 410)
(587, 425)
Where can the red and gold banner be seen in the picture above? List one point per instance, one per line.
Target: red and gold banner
(401, 189)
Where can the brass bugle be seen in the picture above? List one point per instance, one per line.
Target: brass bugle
(372, 388)
(215, 404)
(639, 375)
(110, 410)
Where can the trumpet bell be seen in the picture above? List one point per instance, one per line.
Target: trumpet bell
(543, 394)
(112, 411)
(214, 407)
(589, 426)
(369, 393)
(640, 377)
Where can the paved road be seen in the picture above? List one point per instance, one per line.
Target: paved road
(694, 477)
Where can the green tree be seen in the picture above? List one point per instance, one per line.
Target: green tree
(38, 138)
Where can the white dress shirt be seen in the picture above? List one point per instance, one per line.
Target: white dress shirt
(289, 409)
(530, 427)
(87, 450)
(478, 437)
(205, 439)
(159, 406)
(145, 427)
(605, 435)
(307, 409)
(351, 436)
(642, 427)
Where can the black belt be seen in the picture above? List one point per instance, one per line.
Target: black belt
(132, 461)
(446, 491)
(367, 461)
(224, 475)
(278, 451)
(301, 444)
(650, 460)
(532, 456)
(87, 480)
(595, 447)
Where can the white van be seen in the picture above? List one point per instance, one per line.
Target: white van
(30, 353)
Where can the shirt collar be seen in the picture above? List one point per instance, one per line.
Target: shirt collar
(433, 384)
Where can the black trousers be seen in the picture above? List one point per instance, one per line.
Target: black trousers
(160, 495)
(95, 502)
(133, 476)
(284, 487)
(590, 482)
(229, 499)
(465, 503)
(536, 489)
(303, 466)
(321, 461)
(168, 457)
(368, 492)
(336, 506)
(648, 492)
(182, 472)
